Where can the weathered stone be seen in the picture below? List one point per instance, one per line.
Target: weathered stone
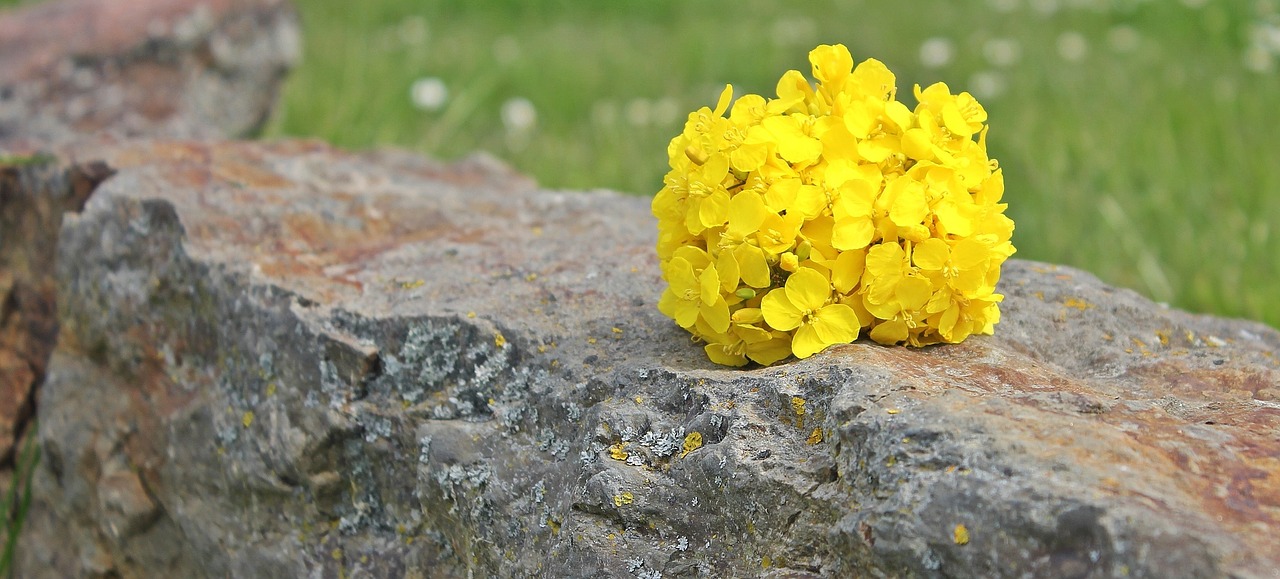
(283, 360)
(177, 68)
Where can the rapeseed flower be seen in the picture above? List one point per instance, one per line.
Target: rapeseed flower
(790, 224)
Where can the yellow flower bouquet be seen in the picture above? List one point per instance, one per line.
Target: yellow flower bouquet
(795, 223)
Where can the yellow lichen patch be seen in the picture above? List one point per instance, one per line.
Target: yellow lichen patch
(531, 277)
(499, 340)
(797, 404)
(815, 437)
(1039, 295)
(1108, 337)
(618, 451)
(692, 442)
(766, 562)
(271, 389)
(639, 400)
(892, 410)
(623, 499)
(471, 315)
(961, 534)
(417, 283)
(336, 554)
(1164, 337)
(1077, 303)
(591, 340)
(617, 330)
(247, 419)
(555, 526)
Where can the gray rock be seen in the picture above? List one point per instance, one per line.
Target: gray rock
(283, 360)
(174, 68)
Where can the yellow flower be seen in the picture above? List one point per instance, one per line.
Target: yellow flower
(745, 342)
(854, 226)
(804, 305)
(691, 296)
(792, 223)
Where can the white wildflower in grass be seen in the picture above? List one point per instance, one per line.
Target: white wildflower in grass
(429, 94)
(1045, 7)
(937, 52)
(1072, 46)
(1004, 6)
(1123, 39)
(506, 50)
(988, 84)
(639, 112)
(798, 30)
(1264, 46)
(666, 111)
(413, 31)
(519, 115)
(604, 113)
(1258, 59)
(1002, 52)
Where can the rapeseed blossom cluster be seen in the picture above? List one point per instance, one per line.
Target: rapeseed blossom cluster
(798, 222)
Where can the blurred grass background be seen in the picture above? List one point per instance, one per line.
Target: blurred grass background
(1140, 139)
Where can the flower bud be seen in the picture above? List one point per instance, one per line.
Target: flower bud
(789, 262)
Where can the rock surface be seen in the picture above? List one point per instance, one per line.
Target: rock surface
(283, 360)
(177, 68)
(34, 194)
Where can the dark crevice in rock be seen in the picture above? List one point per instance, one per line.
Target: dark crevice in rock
(35, 192)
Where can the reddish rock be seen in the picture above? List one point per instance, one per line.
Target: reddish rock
(287, 360)
(177, 68)
(34, 194)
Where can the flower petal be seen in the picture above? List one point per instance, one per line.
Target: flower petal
(890, 332)
(914, 292)
(851, 233)
(752, 266)
(778, 311)
(719, 354)
(808, 290)
(770, 351)
(931, 254)
(846, 272)
(836, 324)
(806, 342)
(746, 213)
(716, 315)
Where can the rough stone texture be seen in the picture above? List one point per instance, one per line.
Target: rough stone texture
(34, 194)
(282, 360)
(177, 68)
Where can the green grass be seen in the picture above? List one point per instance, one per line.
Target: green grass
(17, 501)
(1152, 165)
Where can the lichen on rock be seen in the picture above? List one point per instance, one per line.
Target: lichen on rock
(392, 432)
